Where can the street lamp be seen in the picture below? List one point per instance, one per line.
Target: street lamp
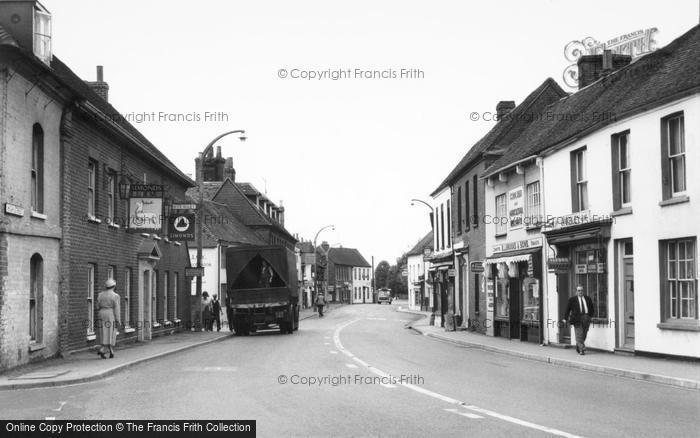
(427, 205)
(332, 227)
(200, 203)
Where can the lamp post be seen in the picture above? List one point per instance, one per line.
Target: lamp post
(200, 203)
(432, 227)
(316, 260)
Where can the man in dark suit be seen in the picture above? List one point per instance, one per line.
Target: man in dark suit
(579, 311)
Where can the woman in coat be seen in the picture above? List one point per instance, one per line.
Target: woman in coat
(109, 319)
(206, 311)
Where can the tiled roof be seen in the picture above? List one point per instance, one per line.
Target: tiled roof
(221, 224)
(665, 75)
(508, 129)
(347, 257)
(425, 242)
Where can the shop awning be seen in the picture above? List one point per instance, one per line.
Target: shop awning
(522, 255)
(596, 231)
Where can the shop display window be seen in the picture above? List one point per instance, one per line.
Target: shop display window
(591, 273)
(530, 309)
(502, 297)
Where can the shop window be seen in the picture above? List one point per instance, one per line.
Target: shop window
(36, 298)
(501, 216)
(590, 272)
(673, 155)
(502, 297)
(530, 308)
(679, 288)
(37, 171)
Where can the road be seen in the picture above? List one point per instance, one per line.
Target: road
(447, 390)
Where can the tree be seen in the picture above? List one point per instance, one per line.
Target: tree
(381, 274)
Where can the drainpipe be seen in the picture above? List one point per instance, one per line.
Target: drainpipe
(545, 256)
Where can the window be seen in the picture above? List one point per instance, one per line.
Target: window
(42, 35)
(36, 298)
(466, 206)
(91, 299)
(679, 289)
(459, 210)
(442, 226)
(590, 273)
(673, 155)
(92, 176)
(437, 230)
(579, 182)
(501, 217)
(165, 296)
(622, 171)
(449, 225)
(477, 290)
(37, 172)
(475, 200)
(127, 297)
(111, 198)
(176, 285)
(533, 217)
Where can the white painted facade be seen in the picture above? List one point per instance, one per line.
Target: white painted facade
(646, 223)
(419, 290)
(361, 288)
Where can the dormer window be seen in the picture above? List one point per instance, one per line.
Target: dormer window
(42, 34)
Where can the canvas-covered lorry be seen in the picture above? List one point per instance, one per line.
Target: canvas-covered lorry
(262, 289)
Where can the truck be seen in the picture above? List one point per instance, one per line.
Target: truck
(262, 292)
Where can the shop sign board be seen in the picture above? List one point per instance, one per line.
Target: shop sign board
(515, 208)
(476, 267)
(146, 207)
(520, 244)
(181, 227)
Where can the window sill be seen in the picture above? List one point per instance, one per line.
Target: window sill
(504, 234)
(37, 215)
(129, 329)
(156, 237)
(113, 225)
(177, 243)
(94, 220)
(146, 235)
(690, 325)
(91, 336)
(675, 200)
(621, 211)
(36, 346)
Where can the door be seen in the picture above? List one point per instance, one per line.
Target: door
(628, 294)
(143, 325)
(563, 295)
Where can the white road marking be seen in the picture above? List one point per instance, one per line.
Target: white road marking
(465, 414)
(351, 365)
(326, 343)
(59, 407)
(50, 418)
(333, 352)
(507, 418)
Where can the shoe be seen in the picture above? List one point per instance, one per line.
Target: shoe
(111, 355)
(583, 353)
(102, 355)
(578, 350)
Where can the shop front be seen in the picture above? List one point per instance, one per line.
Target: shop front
(442, 276)
(581, 258)
(514, 287)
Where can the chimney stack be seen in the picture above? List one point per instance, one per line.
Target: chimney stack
(503, 108)
(593, 67)
(100, 86)
(229, 171)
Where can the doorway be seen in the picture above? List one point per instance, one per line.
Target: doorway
(625, 287)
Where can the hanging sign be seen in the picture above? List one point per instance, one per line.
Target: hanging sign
(181, 227)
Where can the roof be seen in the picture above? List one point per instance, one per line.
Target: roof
(347, 257)
(250, 190)
(507, 129)
(663, 76)
(221, 224)
(85, 94)
(425, 242)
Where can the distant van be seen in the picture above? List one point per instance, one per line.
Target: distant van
(384, 296)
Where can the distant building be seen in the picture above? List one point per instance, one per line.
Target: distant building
(350, 276)
(307, 272)
(419, 290)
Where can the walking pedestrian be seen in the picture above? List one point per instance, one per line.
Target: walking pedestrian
(320, 302)
(215, 313)
(229, 311)
(206, 311)
(109, 318)
(579, 311)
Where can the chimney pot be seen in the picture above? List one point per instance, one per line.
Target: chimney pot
(100, 76)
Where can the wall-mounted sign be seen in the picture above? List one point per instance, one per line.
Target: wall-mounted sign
(181, 227)
(14, 210)
(194, 272)
(146, 207)
(520, 244)
(476, 267)
(451, 272)
(184, 206)
(515, 208)
(559, 264)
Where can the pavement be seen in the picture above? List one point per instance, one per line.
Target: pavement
(679, 373)
(85, 366)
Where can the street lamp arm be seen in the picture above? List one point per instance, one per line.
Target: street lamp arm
(319, 232)
(423, 202)
(210, 146)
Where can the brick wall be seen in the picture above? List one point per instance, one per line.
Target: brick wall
(87, 242)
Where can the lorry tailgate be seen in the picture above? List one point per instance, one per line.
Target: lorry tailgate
(266, 297)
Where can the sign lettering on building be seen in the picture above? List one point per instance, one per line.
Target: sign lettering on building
(146, 207)
(476, 267)
(579, 218)
(14, 210)
(515, 208)
(520, 244)
(181, 227)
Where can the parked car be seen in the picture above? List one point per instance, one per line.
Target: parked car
(384, 296)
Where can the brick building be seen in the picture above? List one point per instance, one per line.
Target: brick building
(89, 155)
(349, 276)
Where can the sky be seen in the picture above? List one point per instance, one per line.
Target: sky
(352, 151)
